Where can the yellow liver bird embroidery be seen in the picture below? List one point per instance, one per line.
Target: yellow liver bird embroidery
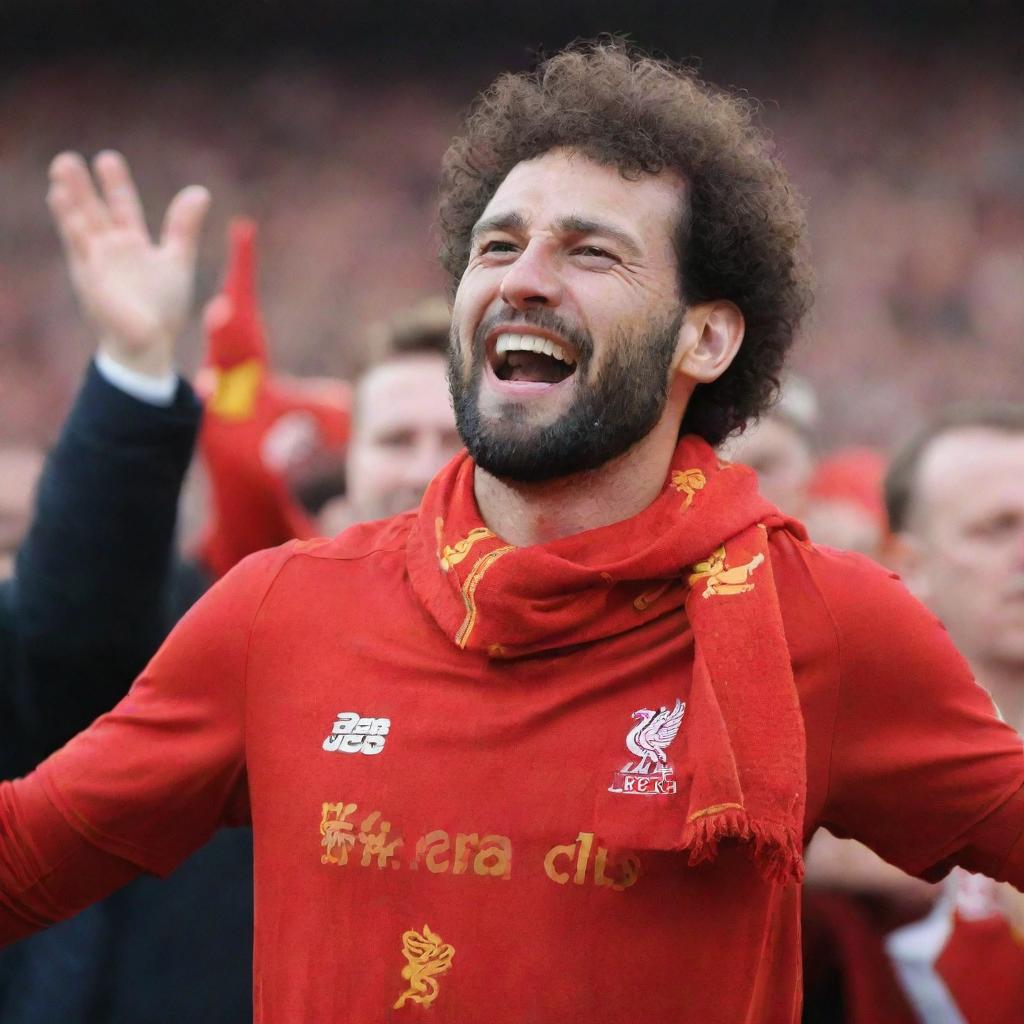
(723, 579)
(428, 955)
(450, 556)
(688, 482)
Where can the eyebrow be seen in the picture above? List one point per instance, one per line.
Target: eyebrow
(577, 225)
(511, 221)
(574, 224)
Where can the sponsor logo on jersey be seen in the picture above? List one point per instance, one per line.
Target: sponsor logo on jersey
(651, 774)
(354, 734)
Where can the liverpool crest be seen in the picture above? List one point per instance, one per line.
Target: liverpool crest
(651, 774)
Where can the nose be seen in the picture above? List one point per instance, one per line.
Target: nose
(533, 279)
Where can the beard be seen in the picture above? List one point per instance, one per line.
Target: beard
(607, 416)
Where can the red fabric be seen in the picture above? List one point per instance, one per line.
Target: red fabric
(982, 963)
(478, 826)
(853, 475)
(748, 782)
(249, 411)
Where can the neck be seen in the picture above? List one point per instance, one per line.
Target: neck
(1005, 683)
(535, 513)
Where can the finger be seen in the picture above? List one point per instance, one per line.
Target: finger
(72, 172)
(70, 224)
(240, 280)
(184, 220)
(119, 191)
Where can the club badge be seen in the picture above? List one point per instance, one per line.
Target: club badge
(651, 774)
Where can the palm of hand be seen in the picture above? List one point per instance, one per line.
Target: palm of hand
(134, 291)
(137, 292)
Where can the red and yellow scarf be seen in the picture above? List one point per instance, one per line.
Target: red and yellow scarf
(702, 549)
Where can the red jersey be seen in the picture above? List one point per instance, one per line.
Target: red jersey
(430, 818)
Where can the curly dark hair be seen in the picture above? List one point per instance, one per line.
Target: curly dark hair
(740, 236)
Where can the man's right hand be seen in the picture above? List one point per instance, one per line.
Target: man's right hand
(137, 293)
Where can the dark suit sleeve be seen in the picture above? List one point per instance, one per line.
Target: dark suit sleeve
(87, 605)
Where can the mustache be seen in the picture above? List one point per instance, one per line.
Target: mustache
(546, 319)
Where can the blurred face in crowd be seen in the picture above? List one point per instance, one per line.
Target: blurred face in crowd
(403, 433)
(780, 456)
(19, 470)
(965, 541)
(845, 525)
(567, 318)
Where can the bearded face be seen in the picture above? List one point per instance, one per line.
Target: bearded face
(567, 319)
(612, 403)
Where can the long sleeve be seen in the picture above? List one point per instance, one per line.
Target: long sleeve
(922, 769)
(147, 783)
(87, 604)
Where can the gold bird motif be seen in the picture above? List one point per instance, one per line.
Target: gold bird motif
(428, 956)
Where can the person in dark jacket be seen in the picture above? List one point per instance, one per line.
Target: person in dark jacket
(86, 606)
(88, 602)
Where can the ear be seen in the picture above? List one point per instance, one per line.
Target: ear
(905, 554)
(709, 339)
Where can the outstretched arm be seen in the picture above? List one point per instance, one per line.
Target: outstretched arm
(88, 596)
(148, 783)
(922, 770)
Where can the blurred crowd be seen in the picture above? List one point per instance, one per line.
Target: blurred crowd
(912, 165)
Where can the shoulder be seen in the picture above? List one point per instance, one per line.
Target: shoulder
(855, 593)
(852, 626)
(299, 573)
(373, 547)
(364, 540)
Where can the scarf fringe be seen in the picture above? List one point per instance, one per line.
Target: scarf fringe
(774, 847)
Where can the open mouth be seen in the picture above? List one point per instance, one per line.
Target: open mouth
(530, 358)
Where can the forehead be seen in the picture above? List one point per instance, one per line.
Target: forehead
(405, 392)
(971, 470)
(564, 183)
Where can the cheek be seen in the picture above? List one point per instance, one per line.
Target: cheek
(371, 471)
(476, 290)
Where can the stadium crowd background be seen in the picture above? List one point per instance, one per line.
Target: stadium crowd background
(905, 135)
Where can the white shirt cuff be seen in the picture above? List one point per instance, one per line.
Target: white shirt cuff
(151, 390)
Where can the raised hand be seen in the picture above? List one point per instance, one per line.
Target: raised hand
(136, 292)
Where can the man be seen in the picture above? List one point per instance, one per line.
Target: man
(955, 497)
(403, 427)
(548, 748)
(86, 607)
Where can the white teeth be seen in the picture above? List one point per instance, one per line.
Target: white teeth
(532, 343)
